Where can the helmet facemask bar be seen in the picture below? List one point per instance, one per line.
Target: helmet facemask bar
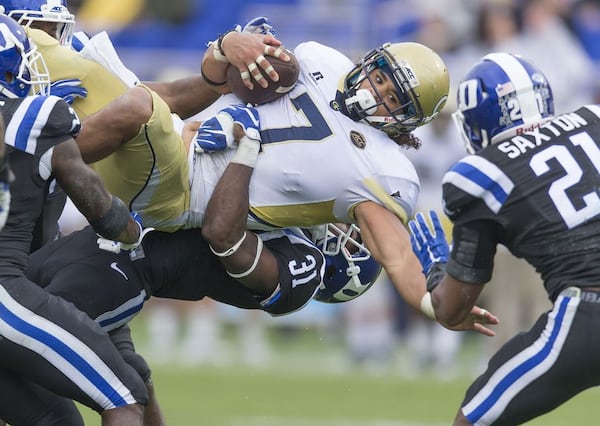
(336, 241)
(24, 69)
(350, 269)
(35, 73)
(53, 12)
(458, 118)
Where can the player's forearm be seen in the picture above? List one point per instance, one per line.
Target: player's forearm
(227, 211)
(186, 96)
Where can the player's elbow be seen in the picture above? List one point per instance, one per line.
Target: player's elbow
(218, 235)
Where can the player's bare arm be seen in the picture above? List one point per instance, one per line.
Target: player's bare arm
(389, 243)
(86, 190)
(224, 226)
(185, 96)
(120, 121)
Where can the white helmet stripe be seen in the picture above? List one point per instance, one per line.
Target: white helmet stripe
(523, 85)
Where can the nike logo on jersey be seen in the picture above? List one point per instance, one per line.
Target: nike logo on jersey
(115, 267)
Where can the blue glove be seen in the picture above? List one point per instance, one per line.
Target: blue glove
(430, 248)
(259, 25)
(68, 89)
(216, 133)
(247, 117)
(116, 246)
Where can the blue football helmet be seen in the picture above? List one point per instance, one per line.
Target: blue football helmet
(349, 268)
(22, 68)
(26, 12)
(421, 81)
(501, 93)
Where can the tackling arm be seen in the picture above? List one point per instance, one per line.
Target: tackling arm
(224, 225)
(186, 96)
(85, 188)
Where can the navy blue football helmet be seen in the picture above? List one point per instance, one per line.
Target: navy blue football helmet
(22, 68)
(26, 12)
(349, 268)
(502, 92)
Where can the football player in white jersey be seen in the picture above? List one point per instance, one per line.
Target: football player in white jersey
(332, 151)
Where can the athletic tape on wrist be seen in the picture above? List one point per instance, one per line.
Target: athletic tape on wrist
(230, 250)
(114, 221)
(427, 306)
(259, 248)
(247, 152)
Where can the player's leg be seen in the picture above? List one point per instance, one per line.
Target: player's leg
(25, 403)
(537, 371)
(123, 341)
(49, 342)
(108, 287)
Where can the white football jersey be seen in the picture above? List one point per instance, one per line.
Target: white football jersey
(315, 164)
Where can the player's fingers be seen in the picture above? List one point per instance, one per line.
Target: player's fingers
(481, 329)
(267, 67)
(277, 52)
(257, 75)
(245, 75)
(422, 223)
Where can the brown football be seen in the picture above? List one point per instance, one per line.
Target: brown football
(288, 76)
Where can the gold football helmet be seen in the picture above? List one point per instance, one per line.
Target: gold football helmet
(421, 80)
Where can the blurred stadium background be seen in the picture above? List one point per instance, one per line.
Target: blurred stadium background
(373, 361)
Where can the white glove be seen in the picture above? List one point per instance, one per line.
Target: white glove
(117, 246)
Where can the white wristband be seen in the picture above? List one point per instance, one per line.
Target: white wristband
(247, 152)
(259, 247)
(230, 250)
(427, 306)
(219, 56)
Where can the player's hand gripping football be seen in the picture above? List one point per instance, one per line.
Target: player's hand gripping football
(217, 133)
(116, 246)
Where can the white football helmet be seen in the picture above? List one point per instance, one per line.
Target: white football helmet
(26, 12)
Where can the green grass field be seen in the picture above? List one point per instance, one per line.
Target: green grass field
(233, 397)
(302, 386)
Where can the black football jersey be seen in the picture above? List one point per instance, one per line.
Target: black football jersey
(33, 125)
(537, 193)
